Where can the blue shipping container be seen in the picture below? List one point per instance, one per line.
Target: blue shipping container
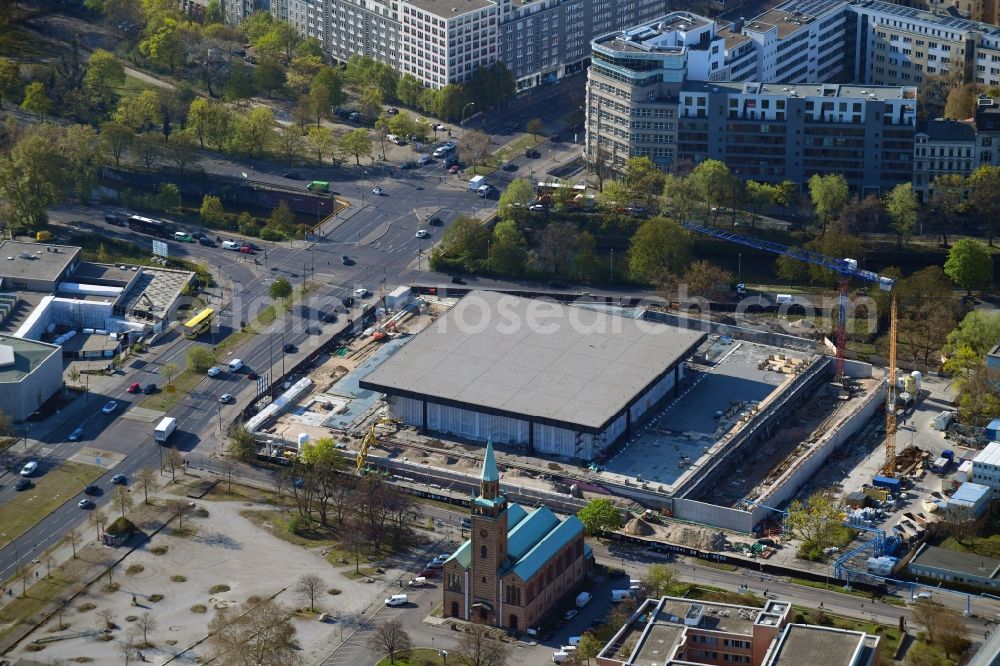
(893, 485)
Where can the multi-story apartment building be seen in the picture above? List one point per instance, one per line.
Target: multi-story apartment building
(444, 41)
(650, 94)
(987, 11)
(772, 133)
(941, 147)
(237, 10)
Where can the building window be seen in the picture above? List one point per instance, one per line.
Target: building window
(484, 553)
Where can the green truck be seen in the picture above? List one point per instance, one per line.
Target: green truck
(318, 186)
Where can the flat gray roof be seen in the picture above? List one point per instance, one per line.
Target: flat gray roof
(28, 355)
(534, 358)
(801, 644)
(34, 261)
(953, 560)
(450, 8)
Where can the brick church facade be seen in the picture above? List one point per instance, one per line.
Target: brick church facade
(517, 564)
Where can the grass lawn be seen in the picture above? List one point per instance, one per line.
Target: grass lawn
(183, 383)
(717, 594)
(838, 588)
(725, 566)
(24, 609)
(516, 147)
(51, 489)
(414, 657)
(133, 86)
(985, 546)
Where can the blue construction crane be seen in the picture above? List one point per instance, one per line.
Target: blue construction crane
(845, 268)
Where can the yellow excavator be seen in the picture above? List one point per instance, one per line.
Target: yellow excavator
(369, 440)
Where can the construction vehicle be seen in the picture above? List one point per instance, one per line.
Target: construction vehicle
(370, 439)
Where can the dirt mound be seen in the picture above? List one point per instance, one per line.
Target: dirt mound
(638, 527)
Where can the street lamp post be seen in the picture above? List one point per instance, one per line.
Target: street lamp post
(462, 122)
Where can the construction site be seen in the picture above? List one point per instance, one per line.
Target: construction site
(744, 429)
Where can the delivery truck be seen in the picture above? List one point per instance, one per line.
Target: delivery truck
(165, 428)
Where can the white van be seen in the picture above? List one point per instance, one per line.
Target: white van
(560, 657)
(230, 245)
(783, 299)
(235, 365)
(396, 600)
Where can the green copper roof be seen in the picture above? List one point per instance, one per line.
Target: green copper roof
(463, 554)
(530, 531)
(546, 549)
(490, 471)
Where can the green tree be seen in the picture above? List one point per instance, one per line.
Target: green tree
(659, 581)
(506, 253)
(164, 43)
(256, 25)
(319, 102)
(104, 72)
(200, 358)
(168, 198)
(84, 156)
(645, 182)
(680, 196)
(211, 210)
(241, 444)
(463, 246)
(706, 280)
(280, 289)
(946, 202)
(10, 80)
(902, 207)
(139, 112)
(659, 246)
(35, 100)
(268, 77)
(322, 142)
(833, 245)
(710, 182)
(590, 646)
(282, 219)
(370, 102)
(535, 128)
(210, 122)
(978, 331)
(408, 90)
(815, 521)
(518, 196)
(356, 143)
(255, 133)
(331, 79)
(829, 194)
(115, 139)
(984, 197)
(600, 515)
(239, 83)
(969, 264)
(33, 178)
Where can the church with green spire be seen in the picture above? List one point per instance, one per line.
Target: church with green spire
(517, 565)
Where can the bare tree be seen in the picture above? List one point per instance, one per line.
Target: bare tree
(953, 635)
(74, 537)
(475, 145)
(105, 619)
(340, 496)
(259, 634)
(99, 518)
(227, 467)
(173, 461)
(145, 479)
(390, 639)
(309, 587)
(356, 543)
(146, 623)
(476, 648)
(60, 609)
(179, 508)
(127, 649)
(123, 498)
(49, 561)
(599, 164)
(928, 614)
(24, 573)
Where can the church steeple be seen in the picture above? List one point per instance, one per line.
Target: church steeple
(489, 480)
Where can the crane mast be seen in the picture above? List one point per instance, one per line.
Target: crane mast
(889, 469)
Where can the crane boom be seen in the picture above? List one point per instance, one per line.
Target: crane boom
(889, 469)
(845, 268)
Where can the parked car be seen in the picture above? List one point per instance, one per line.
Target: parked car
(355, 117)
(439, 127)
(360, 292)
(454, 169)
(92, 489)
(252, 375)
(288, 348)
(377, 191)
(149, 389)
(246, 249)
(207, 242)
(292, 175)
(110, 407)
(328, 317)
(226, 398)
(76, 435)
(29, 468)
(510, 166)
(392, 111)
(457, 279)
(570, 614)
(230, 245)
(347, 261)
(347, 301)
(537, 207)
(134, 388)
(119, 480)
(424, 160)
(532, 153)
(435, 222)
(214, 371)
(22, 484)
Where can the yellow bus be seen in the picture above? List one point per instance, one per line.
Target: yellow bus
(199, 323)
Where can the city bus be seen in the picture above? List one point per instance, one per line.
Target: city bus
(198, 324)
(146, 225)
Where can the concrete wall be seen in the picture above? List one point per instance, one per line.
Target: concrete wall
(21, 399)
(713, 514)
(760, 337)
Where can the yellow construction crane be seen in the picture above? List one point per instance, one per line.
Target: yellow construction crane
(889, 468)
